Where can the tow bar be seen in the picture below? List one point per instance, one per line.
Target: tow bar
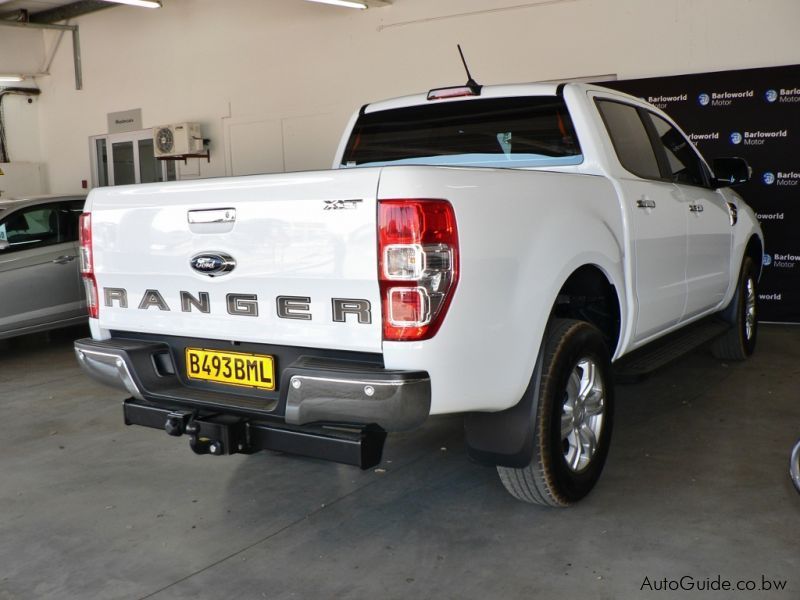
(223, 434)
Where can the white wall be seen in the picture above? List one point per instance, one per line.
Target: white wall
(273, 82)
(22, 128)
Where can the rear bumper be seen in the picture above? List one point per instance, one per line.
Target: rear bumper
(311, 389)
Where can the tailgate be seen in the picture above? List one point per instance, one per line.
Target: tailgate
(304, 247)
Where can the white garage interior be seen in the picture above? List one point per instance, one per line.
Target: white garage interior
(696, 482)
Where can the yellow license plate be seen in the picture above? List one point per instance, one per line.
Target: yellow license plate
(233, 368)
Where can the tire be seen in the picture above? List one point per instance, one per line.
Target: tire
(574, 407)
(740, 341)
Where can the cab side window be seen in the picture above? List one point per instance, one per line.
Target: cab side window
(683, 165)
(631, 140)
(33, 227)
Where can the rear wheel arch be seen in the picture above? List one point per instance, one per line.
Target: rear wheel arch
(589, 294)
(755, 250)
(505, 438)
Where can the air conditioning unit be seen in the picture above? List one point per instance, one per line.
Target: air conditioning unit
(177, 140)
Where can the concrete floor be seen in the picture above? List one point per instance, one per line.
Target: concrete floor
(696, 485)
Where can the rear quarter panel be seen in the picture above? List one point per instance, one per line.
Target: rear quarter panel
(521, 234)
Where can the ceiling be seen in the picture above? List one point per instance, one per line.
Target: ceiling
(48, 11)
(32, 6)
(51, 11)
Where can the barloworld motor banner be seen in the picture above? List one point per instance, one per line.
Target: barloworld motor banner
(755, 114)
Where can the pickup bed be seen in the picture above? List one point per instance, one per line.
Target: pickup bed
(488, 251)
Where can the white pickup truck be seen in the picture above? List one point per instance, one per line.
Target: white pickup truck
(481, 250)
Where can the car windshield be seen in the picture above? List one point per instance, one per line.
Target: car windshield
(515, 132)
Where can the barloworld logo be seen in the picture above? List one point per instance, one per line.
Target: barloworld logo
(723, 98)
(781, 261)
(662, 101)
(757, 138)
(783, 95)
(781, 178)
(702, 137)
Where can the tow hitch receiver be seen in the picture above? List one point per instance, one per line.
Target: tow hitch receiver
(220, 434)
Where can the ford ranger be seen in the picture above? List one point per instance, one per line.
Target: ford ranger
(490, 251)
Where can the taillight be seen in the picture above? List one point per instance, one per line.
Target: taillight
(418, 266)
(86, 258)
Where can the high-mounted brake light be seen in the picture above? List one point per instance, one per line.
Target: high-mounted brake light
(472, 88)
(454, 92)
(418, 266)
(86, 257)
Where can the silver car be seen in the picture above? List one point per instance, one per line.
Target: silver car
(40, 287)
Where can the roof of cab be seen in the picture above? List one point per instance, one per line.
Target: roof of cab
(487, 91)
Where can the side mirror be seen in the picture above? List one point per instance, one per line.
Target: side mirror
(731, 171)
(794, 467)
(3, 245)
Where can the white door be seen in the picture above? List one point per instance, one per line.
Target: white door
(708, 220)
(658, 213)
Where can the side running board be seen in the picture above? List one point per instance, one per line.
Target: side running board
(640, 363)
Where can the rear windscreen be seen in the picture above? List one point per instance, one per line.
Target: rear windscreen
(494, 132)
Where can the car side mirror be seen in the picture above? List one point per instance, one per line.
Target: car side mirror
(731, 171)
(3, 245)
(794, 467)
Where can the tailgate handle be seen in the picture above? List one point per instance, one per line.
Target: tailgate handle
(213, 215)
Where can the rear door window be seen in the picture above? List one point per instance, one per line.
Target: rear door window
(630, 138)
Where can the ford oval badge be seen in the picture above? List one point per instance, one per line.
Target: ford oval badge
(212, 264)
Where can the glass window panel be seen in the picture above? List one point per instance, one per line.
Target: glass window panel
(149, 166)
(684, 163)
(171, 174)
(630, 139)
(493, 132)
(102, 162)
(32, 228)
(124, 169)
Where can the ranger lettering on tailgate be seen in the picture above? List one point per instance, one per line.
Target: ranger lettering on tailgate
(247, 305)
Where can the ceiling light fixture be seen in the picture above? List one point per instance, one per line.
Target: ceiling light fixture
(346, 3)
(142, 3)
(11, 78)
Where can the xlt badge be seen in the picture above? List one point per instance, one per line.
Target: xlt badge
(341, 204)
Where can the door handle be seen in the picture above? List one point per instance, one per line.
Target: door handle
(645, 203)
(696, 208)
(62, 260)
(213, 215)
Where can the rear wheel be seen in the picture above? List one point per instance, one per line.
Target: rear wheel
(572, 423)
(740, 341)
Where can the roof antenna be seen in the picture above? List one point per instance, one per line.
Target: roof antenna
(473, 85)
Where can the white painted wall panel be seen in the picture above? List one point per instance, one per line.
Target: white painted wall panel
(211, 61)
